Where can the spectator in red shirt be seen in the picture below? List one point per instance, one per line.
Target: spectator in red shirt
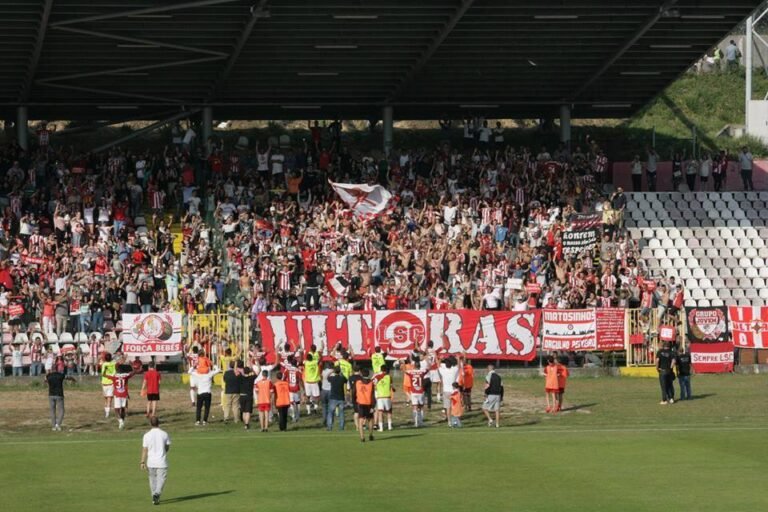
(151, 389)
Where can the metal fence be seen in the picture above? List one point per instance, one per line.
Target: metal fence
(218, 331)
(642, 334)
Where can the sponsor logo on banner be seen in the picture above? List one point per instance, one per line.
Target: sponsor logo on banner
(152, 334)
(510, 335)
(749, 326)
(609, 325)
(706, 325)
(712, 357)
(569, 329)
(399, 333)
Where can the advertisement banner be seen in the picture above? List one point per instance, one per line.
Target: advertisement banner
(152, 334)
(749, 326)
(712, 357)
(706, 325)
(569, 329)
(609, 326)
(509, 335)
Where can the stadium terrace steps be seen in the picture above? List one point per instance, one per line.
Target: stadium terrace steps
(714, 243)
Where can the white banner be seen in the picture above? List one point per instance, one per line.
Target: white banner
(568, 329)
(152, 334)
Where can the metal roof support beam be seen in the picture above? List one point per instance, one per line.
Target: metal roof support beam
(388, 122)
(431, 49)
(130, 69)
(629, 43)
(22, 127)
(146, 10)
(112, 93)
(257, 12)
(150, 128)
(152, 42)
(35, 59)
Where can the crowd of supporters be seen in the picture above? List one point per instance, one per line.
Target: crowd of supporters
(85, 237)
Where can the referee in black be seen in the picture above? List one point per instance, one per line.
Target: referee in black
(665, 365)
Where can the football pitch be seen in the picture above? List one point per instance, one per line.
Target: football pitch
(613, 448)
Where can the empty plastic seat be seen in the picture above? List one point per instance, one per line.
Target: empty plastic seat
(685, 273)
(751, 272)
(724, 293)
(698, 273)
(686, 253)
(716, 303)
(691, 284)
(710, 293)
(654, 243)
(738, 272)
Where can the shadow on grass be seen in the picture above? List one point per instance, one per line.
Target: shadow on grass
(703, 396)
(196, 496)
(579, 406)
(397, 436)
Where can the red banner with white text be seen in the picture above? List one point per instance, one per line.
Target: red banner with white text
(509, 335)
(609, 328)
(712, 357)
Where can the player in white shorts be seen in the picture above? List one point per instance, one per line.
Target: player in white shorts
(417, 390)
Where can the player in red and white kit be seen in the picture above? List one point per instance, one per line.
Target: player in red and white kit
(292, 374)
(417, 375)
(120, 384)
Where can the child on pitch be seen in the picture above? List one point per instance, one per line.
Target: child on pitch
(551, 385)
(457, 406)
(562, 377)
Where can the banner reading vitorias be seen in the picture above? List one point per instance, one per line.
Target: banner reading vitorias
(509, 335)
(152, 334)
(707, 325)
(583, 232)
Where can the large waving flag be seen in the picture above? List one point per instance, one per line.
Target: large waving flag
(366, 201)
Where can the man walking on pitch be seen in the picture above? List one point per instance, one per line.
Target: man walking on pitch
(154, 453)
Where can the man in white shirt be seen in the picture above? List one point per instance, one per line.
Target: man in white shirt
(449, 373)
(745, 161)
(154, 451)
(203, 384)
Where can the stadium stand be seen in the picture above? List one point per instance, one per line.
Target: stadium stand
(714, 243)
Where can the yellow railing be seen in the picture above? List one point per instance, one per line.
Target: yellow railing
(218, 331)
(647, 327)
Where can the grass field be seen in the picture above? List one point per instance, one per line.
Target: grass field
(613, 448)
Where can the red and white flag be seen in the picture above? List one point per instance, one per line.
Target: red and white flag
(365, 200)
(338, 286)
(749, 326)
(712, 357)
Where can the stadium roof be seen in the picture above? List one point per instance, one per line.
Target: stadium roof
(284, 59)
